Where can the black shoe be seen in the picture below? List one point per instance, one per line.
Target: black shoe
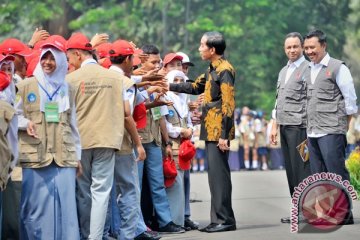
(188, 223)
(221, 228)
(208, 226)
(186, 229)
(148, 236)
(285, 220)
(171, 228)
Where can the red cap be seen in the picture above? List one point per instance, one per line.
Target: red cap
(79, 41)
(139, 115)
(32, 63)
(170, 57)
(103, 50)
(170, 171)
(4, 80)
(186, 152)
(38, 44)
(105, 62)
(137, 60)
(56, 41)
(14, 46)
(121, 48)
(34, 54)
(6, 57)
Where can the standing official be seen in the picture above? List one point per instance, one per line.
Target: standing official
(217, 126)
(330, 106)
(290, 111)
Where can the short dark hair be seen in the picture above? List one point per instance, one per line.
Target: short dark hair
(215, 40)
(317, 33)
(150, 49)
(118, 59)
(295, 35)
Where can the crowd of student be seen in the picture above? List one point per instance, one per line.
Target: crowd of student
(108, 105)
(251, 148)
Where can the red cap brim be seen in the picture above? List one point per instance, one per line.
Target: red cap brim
(6, 57)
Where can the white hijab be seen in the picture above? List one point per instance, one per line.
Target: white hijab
(9, 94)
(51, 82)
(180, 99)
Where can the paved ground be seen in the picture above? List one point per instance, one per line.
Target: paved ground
(260, 199)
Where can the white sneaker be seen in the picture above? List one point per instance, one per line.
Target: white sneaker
(264, 166)
(202, 168)
(247, 164)
(255, 164)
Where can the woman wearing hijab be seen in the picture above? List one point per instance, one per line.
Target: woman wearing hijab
(50, 150)
(179, 126)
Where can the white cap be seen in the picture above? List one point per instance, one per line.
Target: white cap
(186, 59)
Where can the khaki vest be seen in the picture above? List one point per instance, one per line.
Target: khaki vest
(7, 112)
(326, 111)
(55, 142)
(152, 130)
(174, 118)
(291, 97)
(99, 106)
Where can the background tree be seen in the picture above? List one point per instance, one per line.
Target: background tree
(254, 30)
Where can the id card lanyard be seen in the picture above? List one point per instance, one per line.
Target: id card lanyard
(51, 108)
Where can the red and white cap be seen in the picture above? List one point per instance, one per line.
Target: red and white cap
(56, 41)
(14, 46)
(79, 41)
(121, 48)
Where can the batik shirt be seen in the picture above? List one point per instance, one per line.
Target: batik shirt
(218, 107)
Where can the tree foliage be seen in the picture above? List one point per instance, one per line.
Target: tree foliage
(254, 30)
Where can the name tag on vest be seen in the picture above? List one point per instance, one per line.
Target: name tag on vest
(52, 112)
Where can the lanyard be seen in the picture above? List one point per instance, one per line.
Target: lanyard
(50, 97)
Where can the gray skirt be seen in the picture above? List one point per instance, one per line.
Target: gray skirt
(48, 204)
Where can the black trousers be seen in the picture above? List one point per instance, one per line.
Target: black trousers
(220, 185)
(11, 211)
(296, 169)
(327, 154)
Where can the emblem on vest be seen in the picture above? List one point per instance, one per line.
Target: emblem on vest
(171, 113)
(31, 97)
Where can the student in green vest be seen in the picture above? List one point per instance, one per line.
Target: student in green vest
(50, 151)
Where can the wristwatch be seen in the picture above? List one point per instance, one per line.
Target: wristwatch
(169, 143)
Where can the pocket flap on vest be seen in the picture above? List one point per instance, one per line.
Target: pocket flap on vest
(293, 107)
(325, 95)
(293, 95)
(326, 107)
(28, 140)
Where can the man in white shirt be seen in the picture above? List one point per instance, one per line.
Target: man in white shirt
(331, 102)
(290, 111)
